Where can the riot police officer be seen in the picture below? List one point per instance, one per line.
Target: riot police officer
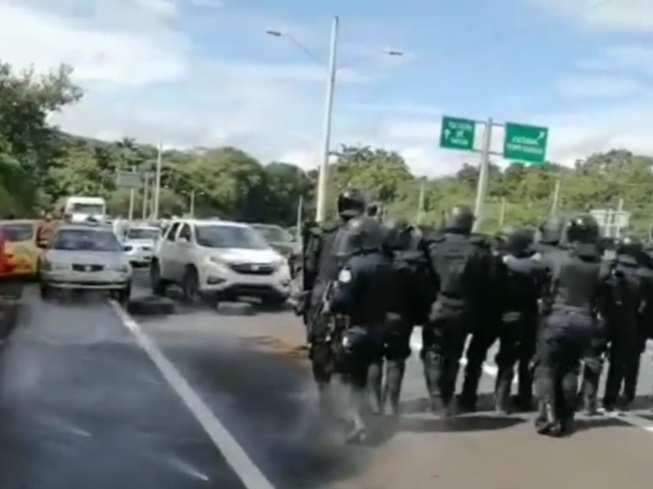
(461, 265)
(410, 305)
(486, 327)
(521, 285)
(629, 285)
(577, 285)
(320, 269)
(551, 236)
(363, 292)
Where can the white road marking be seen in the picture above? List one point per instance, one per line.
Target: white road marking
(235, 455)
(492, 370)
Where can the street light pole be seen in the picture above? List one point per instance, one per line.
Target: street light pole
(332, 70)
(328, 113)
(192, 203)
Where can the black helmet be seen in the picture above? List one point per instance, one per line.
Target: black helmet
(351, 203)
(373, 209)
(552, 229)
(630, 245)
(518, 241)
(460, 219)
(363, 233)
(398, 235)
(582, 229)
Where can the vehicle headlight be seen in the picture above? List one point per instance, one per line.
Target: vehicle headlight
(279, 263)
(120, 268)
(215, 262)
(127, 248)
(281, 266)
(49, 266)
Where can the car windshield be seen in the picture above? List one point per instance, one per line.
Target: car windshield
(93, 209)
(143, 233)
(85, 240)
(274, 234)
(17, 232)
(230, 237)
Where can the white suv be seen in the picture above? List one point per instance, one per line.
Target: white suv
(219, 260)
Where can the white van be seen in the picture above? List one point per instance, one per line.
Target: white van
(81, 208)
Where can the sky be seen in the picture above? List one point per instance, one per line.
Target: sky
(205, 72)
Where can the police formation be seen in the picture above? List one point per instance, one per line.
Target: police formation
(553, 304)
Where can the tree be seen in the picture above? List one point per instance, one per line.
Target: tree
(39, 164)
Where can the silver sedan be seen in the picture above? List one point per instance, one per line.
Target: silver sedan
(85, 257)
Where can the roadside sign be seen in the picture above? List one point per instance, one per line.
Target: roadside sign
(525, 143)
(457, 133)
(129, 179)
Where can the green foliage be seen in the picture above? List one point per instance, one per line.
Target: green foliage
(39, 164)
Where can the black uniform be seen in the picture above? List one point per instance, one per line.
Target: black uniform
(363, 293)
(320, 270)
(414, 294)
(629, 286)
(523, 279)
(576, 291)
(461, 267)
(485, 329)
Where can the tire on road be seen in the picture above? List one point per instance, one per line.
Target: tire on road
(236, 309)
(9, 311)
(151, 306)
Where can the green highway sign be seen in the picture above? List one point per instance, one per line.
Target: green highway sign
(525, 143)
(457, 133)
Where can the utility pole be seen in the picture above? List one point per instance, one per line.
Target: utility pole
(420, 204)
(556, 197)
(483, 174)
(132, 200)
(146, 186)
(328, 115)
(157, 184)
(617, 219)
(502, 214)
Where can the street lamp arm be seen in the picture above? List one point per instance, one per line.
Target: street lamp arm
(296, 43)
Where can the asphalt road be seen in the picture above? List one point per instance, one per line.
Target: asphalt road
(82, 405)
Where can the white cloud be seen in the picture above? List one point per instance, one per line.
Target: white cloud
(597, 86)
(619, 15)
(166, 8)
(633, 57)
(206, 4)
(286, 72)
(43, 39)
(144, 81)
(577, 134)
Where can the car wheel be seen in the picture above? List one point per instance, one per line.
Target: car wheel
(158, 285)
(274, 301)
(123, 296)
(46, 292)
(190, 285)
